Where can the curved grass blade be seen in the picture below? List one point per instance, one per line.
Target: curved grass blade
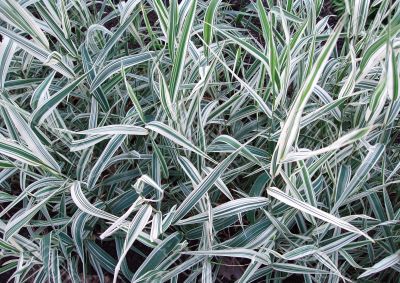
(208, 23)
(7, 49)
(136, 226)
(176, 137)
(116, 65)
(16, 15)
(41, 53)
(227, 209)
(387, 262)
(33, 141)
(47, 107)
(102, 162)
(179, 59)
(304, 207)
(291, 127)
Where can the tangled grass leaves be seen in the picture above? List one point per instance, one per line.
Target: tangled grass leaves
(162, 141)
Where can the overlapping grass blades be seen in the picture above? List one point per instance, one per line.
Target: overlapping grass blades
(165, 141)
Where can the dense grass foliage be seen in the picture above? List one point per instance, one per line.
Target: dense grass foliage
(199, 141)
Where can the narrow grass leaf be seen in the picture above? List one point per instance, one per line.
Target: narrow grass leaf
(304, 207)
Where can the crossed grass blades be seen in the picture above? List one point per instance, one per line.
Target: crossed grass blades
(180, 134)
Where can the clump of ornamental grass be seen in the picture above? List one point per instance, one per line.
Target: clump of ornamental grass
(188, 141)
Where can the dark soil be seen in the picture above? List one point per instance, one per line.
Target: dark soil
(328, 10)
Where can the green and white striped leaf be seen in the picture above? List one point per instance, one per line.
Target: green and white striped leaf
(209, 23)
(32, 141)
(179, 58)
(203, 187)
(18, 222)
(48, 106)
(175, 137)
(15, 14)
(116, 65)
(227, 209)
(347, 139)
(304, 207)
(387, 262)
(7, 49)
(39, 52)
(292, 123)
(115, 130)
(242, 253)
(102, 162)
(135, 227)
